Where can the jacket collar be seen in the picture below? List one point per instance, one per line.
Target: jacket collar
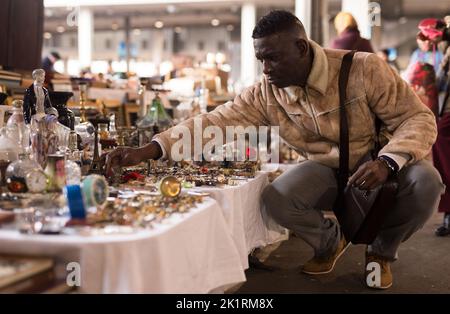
(318, 77)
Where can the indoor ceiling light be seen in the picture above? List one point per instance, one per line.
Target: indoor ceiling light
(159, 24)
(178, 29)
(60, 29)
(230, 27)
(171, 8)
(215, 22)
(136, 31)
(47, 35)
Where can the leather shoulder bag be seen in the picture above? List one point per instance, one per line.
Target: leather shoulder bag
(360, 213)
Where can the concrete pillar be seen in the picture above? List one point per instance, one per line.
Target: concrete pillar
(157, 47)
(360, 11)
(248, 61)
(168, 34)
(85, 36)
(324, 21)
(127, 41)
(303, 10)
(377, 37)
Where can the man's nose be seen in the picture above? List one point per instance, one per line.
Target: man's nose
(266, 67)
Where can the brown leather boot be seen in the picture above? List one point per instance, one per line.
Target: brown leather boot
(385, 281)
(325, 265)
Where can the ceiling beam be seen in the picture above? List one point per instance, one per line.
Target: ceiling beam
(109, 3)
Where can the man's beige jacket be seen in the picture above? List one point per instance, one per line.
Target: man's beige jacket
(308, 118)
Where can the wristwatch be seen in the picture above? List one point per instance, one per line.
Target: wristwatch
(389, 163)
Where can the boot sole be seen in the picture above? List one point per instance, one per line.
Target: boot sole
(381, 287)
(332, 266)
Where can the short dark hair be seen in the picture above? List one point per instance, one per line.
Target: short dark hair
(56, 55)
(276, 21)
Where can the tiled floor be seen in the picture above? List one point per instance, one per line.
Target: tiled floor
(423, 267)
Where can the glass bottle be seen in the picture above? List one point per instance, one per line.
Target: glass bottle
(83, 97)
(73, 153)
(17, 122)
(72, 168)
(8, 148)
(17, 171)
(112, 126)
(103, 132)
(73, 141)
(141, 97)
(8, 154)
(156, 120)
(56, 172)
(73, 161)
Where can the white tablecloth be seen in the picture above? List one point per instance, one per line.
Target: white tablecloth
(247, 222)
(189, 253)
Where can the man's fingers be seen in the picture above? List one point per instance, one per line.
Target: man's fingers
(367, 177)
(364, 177)
(361, 170)
(369, 182)
(109, 160)
(103, 159)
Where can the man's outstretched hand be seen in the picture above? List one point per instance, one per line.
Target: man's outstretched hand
(128, 156)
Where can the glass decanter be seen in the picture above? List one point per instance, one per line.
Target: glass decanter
(156, 120)
(44, 138)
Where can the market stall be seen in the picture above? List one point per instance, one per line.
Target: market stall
(156, 227)
(186, 253)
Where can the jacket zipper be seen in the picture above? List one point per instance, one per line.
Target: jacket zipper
(316, 124)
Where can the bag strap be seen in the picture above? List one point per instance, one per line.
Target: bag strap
(343, 125)
(343, 172)
(377, 147)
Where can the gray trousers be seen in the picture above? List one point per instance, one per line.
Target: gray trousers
(296, 199)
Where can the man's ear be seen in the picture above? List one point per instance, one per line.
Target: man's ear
(302, 46)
